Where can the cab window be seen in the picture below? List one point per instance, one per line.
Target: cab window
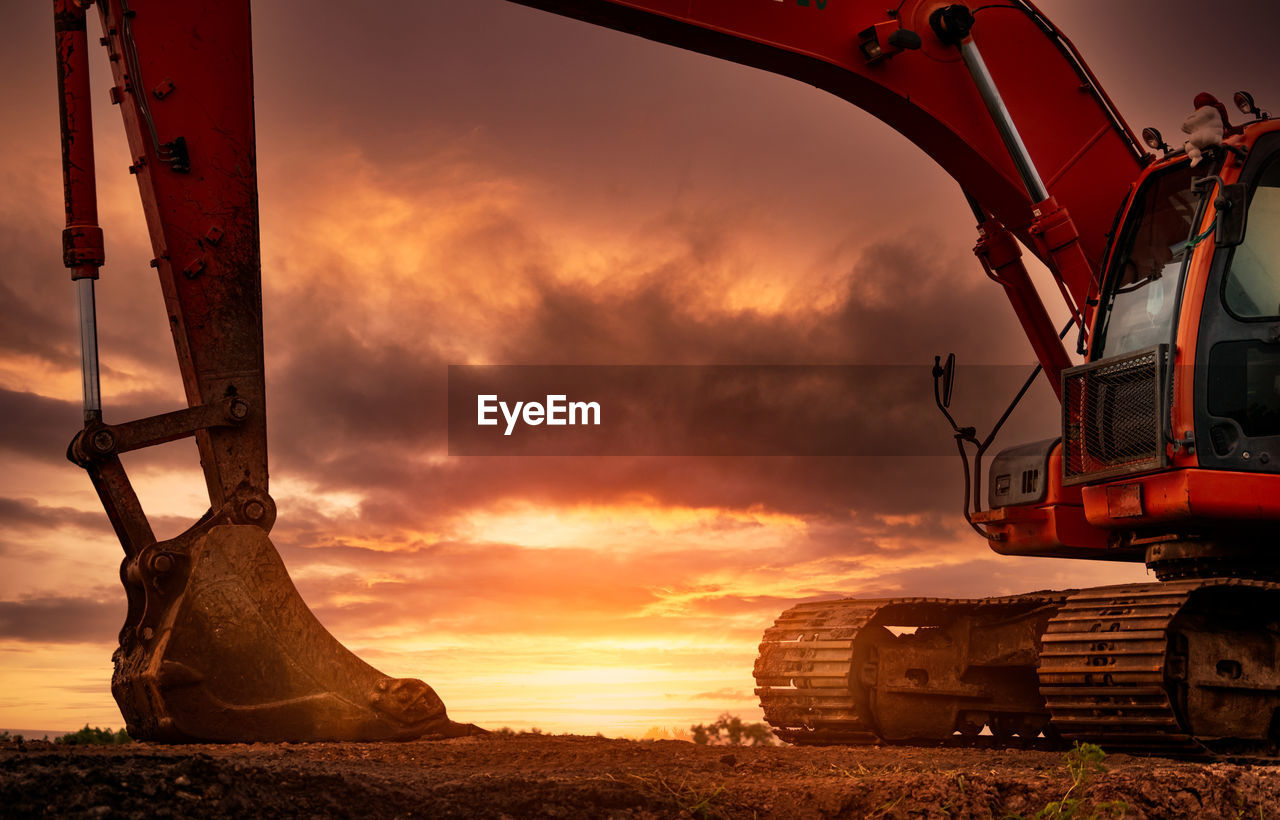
(1252, 286)
(1146, 267)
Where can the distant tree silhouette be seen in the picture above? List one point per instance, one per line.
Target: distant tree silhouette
(729, 730)
(95, 736)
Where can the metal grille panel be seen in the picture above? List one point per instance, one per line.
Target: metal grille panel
(1113, 416)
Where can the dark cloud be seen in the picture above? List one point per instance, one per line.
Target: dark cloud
(725, 694)
(1157, 87)
(350, 416)
(989, 574)
(27, 513)
(38, 313)
(37, 426)
(28, 329)
(405, 494)
(40, 427)
(355, 416)
(348, 393)
(714, 606)
(904, 301)
(62, 619)
(589, 107)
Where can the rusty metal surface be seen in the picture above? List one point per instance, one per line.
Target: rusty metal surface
(1102, 670)
(220, 647)
(193, 155)
(217, 644)
(967, 665)
(124, 510)
(98, 440)
(803, 673)
(82, 248)
(1182, 669)
(833, 671)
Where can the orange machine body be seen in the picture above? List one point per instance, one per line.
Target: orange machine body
(1111, 518)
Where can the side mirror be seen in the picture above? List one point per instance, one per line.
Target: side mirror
(1233, 212)
(948, 379)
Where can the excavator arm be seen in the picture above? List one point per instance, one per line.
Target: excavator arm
(218, 644)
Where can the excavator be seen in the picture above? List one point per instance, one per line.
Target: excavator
(1167, 260)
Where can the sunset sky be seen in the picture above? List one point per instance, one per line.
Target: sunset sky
(480, 183)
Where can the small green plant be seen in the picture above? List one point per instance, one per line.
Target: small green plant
(95, 736)
(729, 730)
(1083, 761)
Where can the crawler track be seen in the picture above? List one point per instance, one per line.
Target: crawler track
(1186, 668)
(803, 673)
(805, 670)
(1102, 668)
(1183, 669)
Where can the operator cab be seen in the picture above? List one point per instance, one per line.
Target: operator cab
(1171, 429)
(1187, 275)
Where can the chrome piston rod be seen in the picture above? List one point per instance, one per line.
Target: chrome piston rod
(89, 350)
(1003, 121)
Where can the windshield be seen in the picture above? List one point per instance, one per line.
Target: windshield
(1145, 270)
(1252, 288)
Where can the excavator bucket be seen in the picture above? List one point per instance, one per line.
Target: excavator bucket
(219, 646)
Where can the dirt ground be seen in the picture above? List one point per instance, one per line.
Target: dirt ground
(570, 776)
